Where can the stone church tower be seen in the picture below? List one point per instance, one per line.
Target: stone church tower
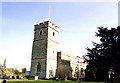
(44, 50)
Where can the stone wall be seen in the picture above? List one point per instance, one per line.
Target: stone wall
(44, 51)
(76, 63)
(45, 56)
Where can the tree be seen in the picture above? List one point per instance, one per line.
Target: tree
(63, 71)
(24, 70)
(92, 54)
(16, 71)
(111, 47)
(105, 55)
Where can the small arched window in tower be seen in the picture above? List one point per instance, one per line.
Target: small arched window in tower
(38, 67)
(53, 33)
(40, 33)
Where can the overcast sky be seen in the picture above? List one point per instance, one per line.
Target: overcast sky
(77, 22)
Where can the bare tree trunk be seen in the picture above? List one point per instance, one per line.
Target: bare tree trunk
(94, 75)
(66, 78)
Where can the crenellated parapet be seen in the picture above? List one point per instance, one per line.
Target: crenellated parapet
(44, 52)
(47, 24)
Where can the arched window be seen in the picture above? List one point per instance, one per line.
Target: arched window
(38, 67)
(40, 33)
(53, 33)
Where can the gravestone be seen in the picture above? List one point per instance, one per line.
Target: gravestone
(4, 81)
(33, 77)
(17, 77)
(13, 77)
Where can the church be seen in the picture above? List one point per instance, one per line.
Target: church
(5, 73)
(46, 58)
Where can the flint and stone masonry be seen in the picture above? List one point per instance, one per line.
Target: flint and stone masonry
(45, 56)
(44, 50)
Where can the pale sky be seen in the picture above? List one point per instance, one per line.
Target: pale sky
(77, 22)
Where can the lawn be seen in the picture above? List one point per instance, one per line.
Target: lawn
(54, 82)
(50, 82)
(47, 81)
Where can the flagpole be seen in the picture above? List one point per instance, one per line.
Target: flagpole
(49, 12)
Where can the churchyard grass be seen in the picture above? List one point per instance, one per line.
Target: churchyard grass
(56, 82)
(48, 81)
